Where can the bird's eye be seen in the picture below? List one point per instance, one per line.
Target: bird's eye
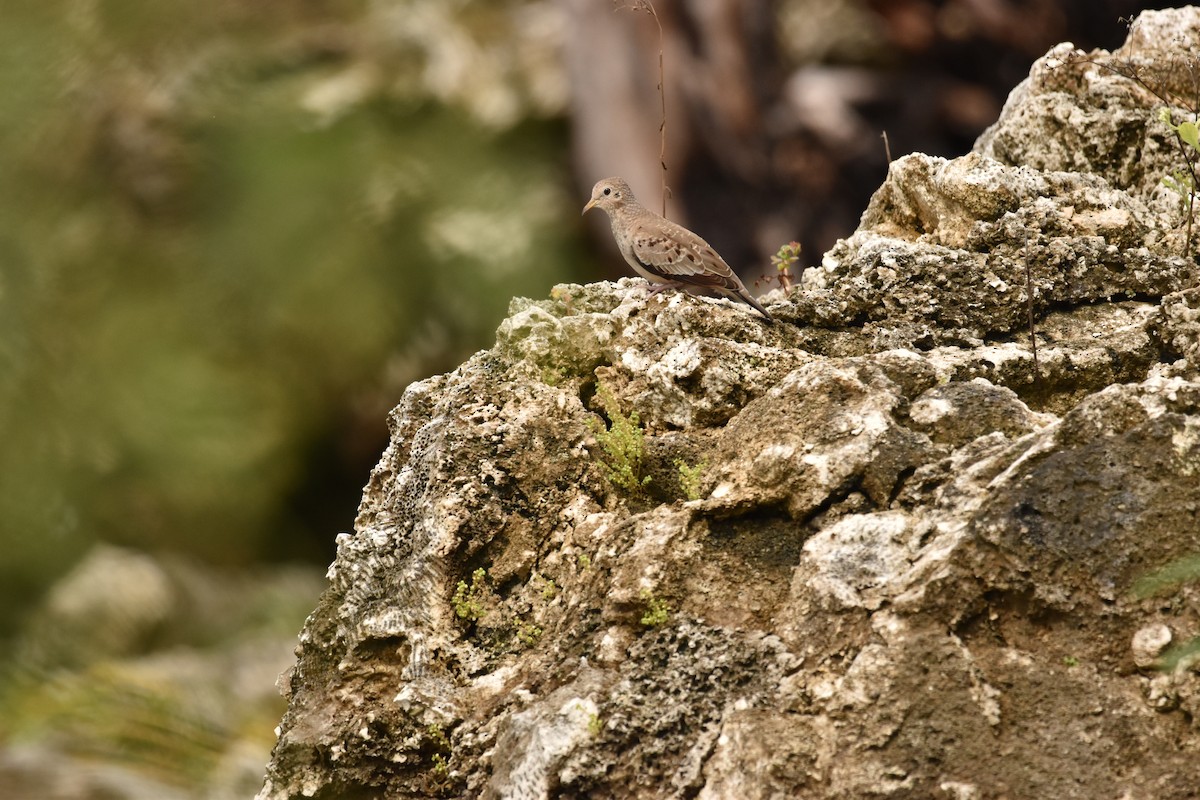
(607, 190)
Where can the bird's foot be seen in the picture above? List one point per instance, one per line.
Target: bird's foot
(655, 288)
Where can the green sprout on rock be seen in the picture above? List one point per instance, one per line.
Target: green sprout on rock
(528, 633)
(657, 611)
(623, 443)
(468, 601)
(783, 261)
(1183, 181)
(689, 478)
(441, 745)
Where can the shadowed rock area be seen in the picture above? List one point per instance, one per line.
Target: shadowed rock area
(915, 566)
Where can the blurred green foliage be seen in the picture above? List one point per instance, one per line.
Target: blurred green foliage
(227, 227)
(1169, 577)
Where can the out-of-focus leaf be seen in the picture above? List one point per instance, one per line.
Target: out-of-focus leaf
(1188, 132)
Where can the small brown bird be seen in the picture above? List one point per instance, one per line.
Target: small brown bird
(662, 252)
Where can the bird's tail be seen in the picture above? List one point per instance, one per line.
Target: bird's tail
(744, 295)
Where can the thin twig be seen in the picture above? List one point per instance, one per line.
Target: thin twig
(648, 7)
(1032, 330)
(662, 128)
(887, 148)
(1191, 199)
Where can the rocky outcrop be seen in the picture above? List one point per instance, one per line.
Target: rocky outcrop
(899, 560)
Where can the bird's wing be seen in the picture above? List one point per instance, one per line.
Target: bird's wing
(677, 254)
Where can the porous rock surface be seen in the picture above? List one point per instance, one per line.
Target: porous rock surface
(913, 566)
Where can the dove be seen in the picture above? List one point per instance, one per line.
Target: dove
(661, 251)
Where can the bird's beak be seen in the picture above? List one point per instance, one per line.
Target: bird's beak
(588, 207)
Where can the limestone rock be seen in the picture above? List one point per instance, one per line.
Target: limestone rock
(1149, 643)
(909, 562)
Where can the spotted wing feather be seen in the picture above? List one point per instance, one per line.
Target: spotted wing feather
(677, 254)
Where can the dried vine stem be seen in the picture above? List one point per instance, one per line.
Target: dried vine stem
(1032, 329)
(648, 7)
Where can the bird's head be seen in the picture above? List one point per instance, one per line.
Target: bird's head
(609, 194)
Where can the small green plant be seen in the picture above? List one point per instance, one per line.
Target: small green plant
(528, 633)
(689, 478)
(441, 745)
(584, 561)
(1071, 661)
(1174, 82)
(437, 737)
(784, 260)
(1183, 182)
(623, 443)
(468, 601)
(549, 589)
(594, 725)
(657, 611)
